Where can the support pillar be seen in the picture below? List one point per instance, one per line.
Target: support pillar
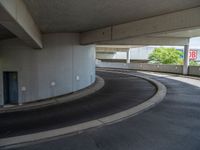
(128, 57)
(186, 60)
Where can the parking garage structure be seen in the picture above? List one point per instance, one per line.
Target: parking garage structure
(47, 51)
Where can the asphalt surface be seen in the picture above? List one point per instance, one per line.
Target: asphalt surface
(119, 93)
(174, 124)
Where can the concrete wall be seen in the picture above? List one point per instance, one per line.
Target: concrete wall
(177, 69)
(194, 70)
(62, 61)
(143, 66)
(137, 55)
(105, 55)
(140, 53)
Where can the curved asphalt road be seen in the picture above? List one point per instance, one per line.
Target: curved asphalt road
(119, 93)
(174, 124)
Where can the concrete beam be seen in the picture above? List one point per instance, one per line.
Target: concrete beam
(96, 36)
(15, 16)
(149, 41)
(194, 32)
(177, 21)
(111, 49)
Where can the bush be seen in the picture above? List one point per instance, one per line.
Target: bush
(166, 56)
(194, 63)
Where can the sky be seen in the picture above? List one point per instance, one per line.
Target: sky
(195, 42)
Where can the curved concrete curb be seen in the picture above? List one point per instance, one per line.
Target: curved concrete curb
(99, 83)
(158, 97)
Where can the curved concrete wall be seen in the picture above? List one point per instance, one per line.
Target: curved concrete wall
(62, 61)
(177, 69)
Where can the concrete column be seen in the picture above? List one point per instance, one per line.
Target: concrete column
(128, 57)
(186, 60)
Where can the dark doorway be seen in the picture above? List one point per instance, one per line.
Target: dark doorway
(10, 86)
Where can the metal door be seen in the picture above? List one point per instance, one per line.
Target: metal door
(10, 83)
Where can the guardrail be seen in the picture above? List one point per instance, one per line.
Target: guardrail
(177, 69)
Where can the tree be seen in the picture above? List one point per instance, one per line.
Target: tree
(164, 55)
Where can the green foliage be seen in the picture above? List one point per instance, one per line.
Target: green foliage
(194, 63)
(164, 55)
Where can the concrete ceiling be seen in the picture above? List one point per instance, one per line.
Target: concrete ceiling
(84, 15)
(5, 34)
